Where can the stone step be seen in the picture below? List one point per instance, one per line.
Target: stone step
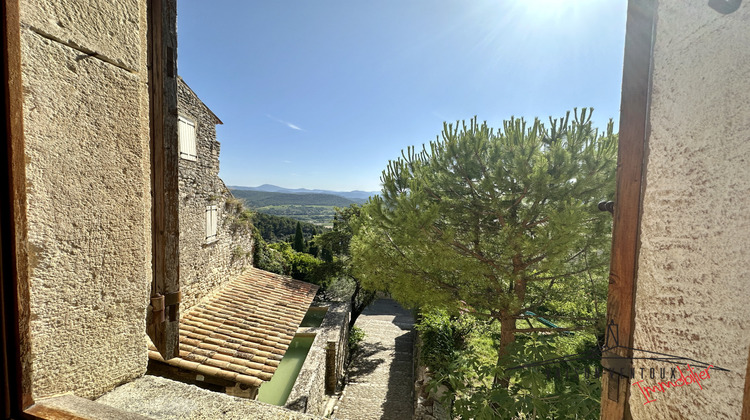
(381, 379)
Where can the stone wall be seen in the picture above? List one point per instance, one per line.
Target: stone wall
(86, 132)
(693, 271)
(205, 265)
(163, 399)
(427, 404)
(325, 361)
(308, 392)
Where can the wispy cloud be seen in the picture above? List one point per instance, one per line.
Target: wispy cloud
(286, 123)
(286, 161)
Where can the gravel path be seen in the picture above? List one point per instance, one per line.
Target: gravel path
(381, 376)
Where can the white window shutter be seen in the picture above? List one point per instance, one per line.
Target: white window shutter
(212, 217)
(187, 139)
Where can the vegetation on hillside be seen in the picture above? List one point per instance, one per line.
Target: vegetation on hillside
(256, 199)
(313, 208)
(322, 259)
(279, 229)
(499, 225)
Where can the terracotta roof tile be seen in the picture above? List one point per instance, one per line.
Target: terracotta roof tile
(242, 332)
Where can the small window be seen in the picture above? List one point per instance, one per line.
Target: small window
(187, 139)
(212, 217)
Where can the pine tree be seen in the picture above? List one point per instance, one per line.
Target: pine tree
(492, 223)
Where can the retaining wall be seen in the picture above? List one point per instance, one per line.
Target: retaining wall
(324, 366)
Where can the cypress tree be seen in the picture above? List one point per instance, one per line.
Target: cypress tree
(299, 241)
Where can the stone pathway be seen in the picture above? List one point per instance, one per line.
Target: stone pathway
(381, 377)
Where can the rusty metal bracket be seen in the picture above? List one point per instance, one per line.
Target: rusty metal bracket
(607, 206)
(615, 363)
(171, 299)
(164, 306)
(157, 306)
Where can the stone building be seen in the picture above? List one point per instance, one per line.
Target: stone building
(85, 268)
(215, 243)
(100, 217)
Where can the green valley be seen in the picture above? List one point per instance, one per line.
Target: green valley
(312, 208)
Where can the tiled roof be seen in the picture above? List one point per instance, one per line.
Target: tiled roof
(241, 333)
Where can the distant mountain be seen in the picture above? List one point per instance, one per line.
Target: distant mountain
(356, 196)
(256, 199)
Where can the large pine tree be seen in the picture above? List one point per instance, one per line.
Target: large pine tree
(496, 223)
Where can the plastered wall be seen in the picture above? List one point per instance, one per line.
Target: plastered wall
(693, 281)
(87, 151)
(205, 265)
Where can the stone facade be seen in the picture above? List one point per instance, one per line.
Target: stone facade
(693, 272)
(86, 129)
(88, 196)
(207, 264)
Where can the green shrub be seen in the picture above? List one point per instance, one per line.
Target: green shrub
(356, 336)
(443, 338)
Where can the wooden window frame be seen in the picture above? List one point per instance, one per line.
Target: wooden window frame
(16, 399)
(162, 320)
(633, 137)
(14, 293)
(633, 146)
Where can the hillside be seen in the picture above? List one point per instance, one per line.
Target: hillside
(312, 208)
(263, 198)
(278, 229)
(357, 195)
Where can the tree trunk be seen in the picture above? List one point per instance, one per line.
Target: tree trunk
(361, 299)
(507, 337)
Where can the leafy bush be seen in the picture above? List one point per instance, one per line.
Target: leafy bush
(304, 267)
(356, 336)
(268, 258)
(442, 337)
(560, 391)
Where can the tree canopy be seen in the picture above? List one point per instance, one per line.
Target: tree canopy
(336, 249)
(491, 222)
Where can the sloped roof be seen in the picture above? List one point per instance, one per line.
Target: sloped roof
(181, 80)
(241, 333)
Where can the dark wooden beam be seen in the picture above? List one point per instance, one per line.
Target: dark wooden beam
(634, 131)
(163, 315)
(174, 373)
(16, 395)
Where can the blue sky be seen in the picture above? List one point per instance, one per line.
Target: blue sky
(321, 94)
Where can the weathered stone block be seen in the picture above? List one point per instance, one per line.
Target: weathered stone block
(110, 28)
(86, 134)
